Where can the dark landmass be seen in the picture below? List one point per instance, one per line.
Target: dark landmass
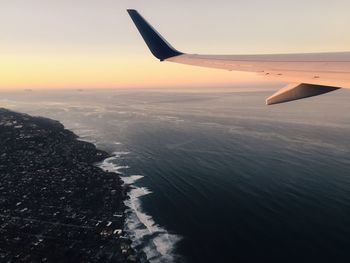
(55, 205)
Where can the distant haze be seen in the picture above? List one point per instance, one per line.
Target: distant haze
(90, 44)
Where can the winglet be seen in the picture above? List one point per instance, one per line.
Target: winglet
(159, 47)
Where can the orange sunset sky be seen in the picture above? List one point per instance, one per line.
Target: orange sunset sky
(94, 44)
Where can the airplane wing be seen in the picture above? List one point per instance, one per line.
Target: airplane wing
(309, 74)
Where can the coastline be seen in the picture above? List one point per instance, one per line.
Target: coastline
(56, 205)
(155, 242)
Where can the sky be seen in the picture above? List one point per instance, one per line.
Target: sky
(50, 44)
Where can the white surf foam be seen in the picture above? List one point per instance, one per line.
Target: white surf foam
(147, 236)
(109, 164)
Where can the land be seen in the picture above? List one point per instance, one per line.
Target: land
(56, 205)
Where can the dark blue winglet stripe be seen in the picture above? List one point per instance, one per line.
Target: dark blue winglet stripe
(159, 47)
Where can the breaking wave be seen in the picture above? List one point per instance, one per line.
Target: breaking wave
(147, 236)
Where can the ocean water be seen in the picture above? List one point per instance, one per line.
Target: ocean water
(219, 176)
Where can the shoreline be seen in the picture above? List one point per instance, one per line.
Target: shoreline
(155, 241)
(56, 203)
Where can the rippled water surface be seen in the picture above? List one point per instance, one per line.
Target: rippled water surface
(220, 177)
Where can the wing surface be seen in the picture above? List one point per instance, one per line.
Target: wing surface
(310, 74)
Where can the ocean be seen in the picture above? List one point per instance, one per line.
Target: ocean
(219, 176)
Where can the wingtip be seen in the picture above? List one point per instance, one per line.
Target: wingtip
(159, 47)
